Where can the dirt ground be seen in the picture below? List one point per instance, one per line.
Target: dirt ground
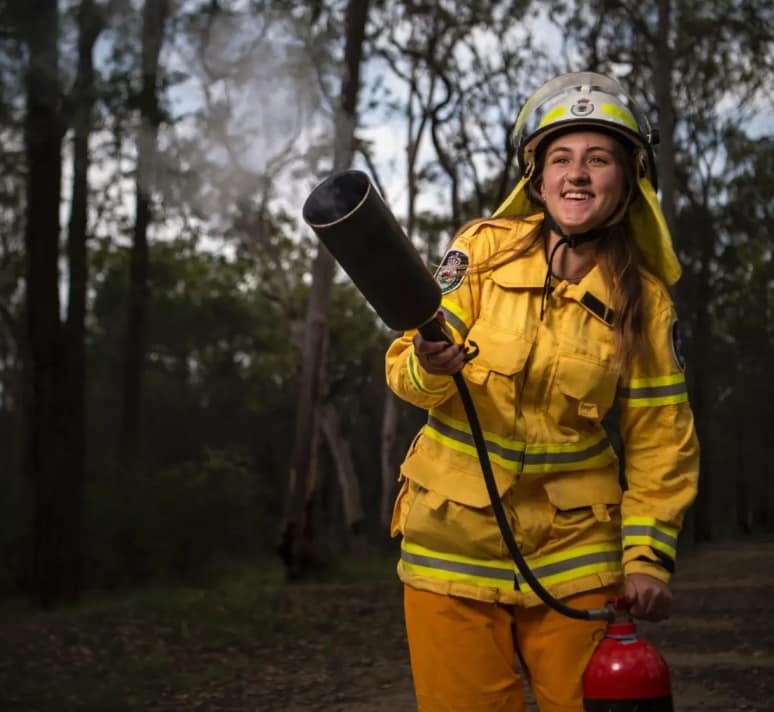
(719, 644)
(340, 647)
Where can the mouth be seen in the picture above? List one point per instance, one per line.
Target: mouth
(577, 195)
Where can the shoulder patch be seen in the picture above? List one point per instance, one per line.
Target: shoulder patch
(451, 271)
(677, 345)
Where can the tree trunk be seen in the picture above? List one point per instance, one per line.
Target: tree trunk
(389, 465)
(666, 116)
(89, 27)
(297, 535)
(703, 519)
(155, 14)
(55, 565)
(345, 470)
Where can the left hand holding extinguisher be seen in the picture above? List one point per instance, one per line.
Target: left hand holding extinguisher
(647, 597)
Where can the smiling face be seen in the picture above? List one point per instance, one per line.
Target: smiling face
(582, 183)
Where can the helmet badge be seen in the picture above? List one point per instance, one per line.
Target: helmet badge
(582, 107)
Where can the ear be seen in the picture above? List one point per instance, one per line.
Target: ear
(535, 191)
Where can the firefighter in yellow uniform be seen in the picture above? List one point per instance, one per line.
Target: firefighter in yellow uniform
(563, 296)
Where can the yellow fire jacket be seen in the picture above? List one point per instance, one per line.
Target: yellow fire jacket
(541, 389)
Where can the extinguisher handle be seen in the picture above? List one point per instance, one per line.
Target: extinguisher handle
(618, 605)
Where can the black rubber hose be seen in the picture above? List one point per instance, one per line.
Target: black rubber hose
(433, 332)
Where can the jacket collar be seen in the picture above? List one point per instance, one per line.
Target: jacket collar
(529, 272)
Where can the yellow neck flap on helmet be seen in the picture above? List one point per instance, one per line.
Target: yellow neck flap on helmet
(587, 100)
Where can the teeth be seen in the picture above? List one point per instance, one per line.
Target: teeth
(576, 196)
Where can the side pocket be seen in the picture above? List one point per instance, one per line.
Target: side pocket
(400, 509)
(450, 513)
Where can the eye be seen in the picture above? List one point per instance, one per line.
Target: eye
(598, 160)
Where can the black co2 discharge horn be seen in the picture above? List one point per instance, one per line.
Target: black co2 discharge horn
(354, 223)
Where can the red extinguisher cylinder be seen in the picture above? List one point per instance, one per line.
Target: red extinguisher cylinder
(626, 674)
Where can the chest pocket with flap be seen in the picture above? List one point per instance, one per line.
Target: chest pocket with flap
(583, 389)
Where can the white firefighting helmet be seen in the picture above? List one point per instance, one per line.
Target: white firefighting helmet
(588, 101)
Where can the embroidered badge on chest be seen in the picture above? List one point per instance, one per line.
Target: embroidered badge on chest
(677, 345)
(451, 271)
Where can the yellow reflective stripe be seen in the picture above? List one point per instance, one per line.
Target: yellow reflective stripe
(457, 435)
(593, 452)
(618, 113)
(573, 563)
(663, 400)
(557, 568)
(502, 564)
(416, 378)
(661, 390)
(455, 444)
(647, 531)
(656, 381)
(517, 456)
(606, 562)
(552, 115)
(456, 319)
(452, 567)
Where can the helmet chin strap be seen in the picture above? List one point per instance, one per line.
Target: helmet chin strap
(564, 239)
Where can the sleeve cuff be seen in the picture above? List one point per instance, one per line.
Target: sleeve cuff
(425, 382)
(644, 560)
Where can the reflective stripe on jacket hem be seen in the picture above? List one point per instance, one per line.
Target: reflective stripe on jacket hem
(573, 563)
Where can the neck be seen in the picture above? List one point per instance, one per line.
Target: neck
(570, 263)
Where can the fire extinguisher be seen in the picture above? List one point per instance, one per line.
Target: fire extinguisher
(625, 672)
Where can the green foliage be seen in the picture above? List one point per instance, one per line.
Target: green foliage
(171, 525)
(221, 370)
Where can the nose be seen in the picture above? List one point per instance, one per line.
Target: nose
(577, 172)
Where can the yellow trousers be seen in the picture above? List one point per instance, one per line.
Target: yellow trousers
(463, 652)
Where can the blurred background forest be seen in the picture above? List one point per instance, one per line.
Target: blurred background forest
(185, 379)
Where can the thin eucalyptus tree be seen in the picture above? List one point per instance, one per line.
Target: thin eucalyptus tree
(154, 20)
(297, 537)
(55, 562)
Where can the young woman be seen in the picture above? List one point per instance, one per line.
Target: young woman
(564, 295)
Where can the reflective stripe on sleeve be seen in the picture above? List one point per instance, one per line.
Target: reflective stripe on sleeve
(416, 378)
(455, 319)
(647, 531)
(664, 390)
(516, 456)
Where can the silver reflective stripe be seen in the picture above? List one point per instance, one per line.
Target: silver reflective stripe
(650, 532)
(556, 458)
(521, 455)
(512, 455)
(654, 391)
(455, 322)
(570, 564)
(457, 567)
